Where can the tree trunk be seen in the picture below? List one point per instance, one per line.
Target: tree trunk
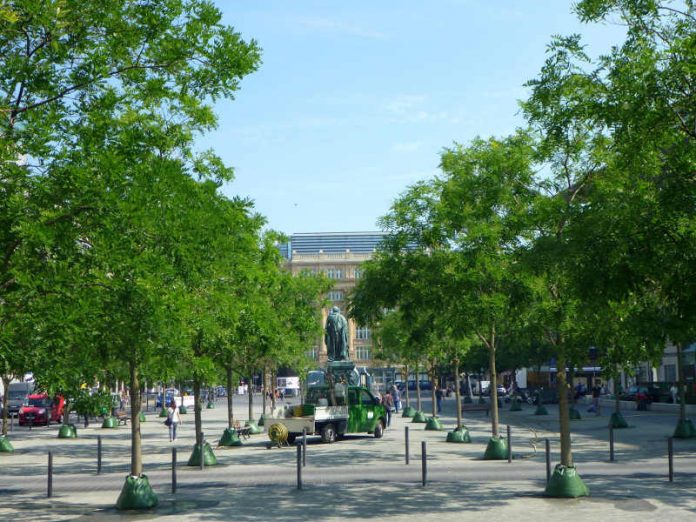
(433, 391)
(468, 383)
(230, 398)
(682, 389)
(264, 387)
(457, 393)
(563, 411)
(408, 401)
(197, 408)
(418, 395)
(66, 411)
(136, 439)
(5, 403)
(251, 399)
(617, 402)
(493, 390)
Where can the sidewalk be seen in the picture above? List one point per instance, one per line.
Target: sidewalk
(359, 478)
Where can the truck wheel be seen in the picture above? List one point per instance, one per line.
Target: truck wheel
(328, 433)
(291, 438)
(379, 430)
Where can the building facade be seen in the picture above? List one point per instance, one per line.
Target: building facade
(339, 256)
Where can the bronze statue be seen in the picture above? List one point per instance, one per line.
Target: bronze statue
(336, 335)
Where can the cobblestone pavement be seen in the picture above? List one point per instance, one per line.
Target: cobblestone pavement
(359, 478)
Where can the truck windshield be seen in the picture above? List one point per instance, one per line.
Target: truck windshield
(320, 396)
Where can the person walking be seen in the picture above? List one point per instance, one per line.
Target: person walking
(674, 391)
(388, 403)
(173, 420)
(596, 392)
(396, 397)
(438, 399)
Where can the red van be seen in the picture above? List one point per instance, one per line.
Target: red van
(41, 409)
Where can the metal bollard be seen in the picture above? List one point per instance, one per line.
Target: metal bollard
(611, 444)
(406, 440)
(509, 445)
(548, 461)
(50, 475)
(99, 454)
(173, 470)
(202, 455)
(299, 466)
(11, 422)
(304, 447)
(424, 463)
(670, 458)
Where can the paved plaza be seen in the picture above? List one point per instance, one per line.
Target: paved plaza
(359, 478)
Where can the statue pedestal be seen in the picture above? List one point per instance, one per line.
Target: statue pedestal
(343, 371)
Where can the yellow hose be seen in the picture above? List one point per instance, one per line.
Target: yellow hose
(278, 433)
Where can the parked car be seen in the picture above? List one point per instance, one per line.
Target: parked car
(500, 389)
(652, 392)
(424, 385)
(41, 409)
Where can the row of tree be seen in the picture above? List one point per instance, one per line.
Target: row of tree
(120, 259)
(578, 230)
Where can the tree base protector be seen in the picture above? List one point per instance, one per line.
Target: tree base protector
(409, 411)
(142, 417)
(253, 427)
(261, 421)
(137, 494)
(574, 414)
(419, 417)
(210, 406)
(67, 431)
(481, 400)
(163, 412)
(617, 421)
(566, 483)
(230, 437)
(110, 422)
(459, 435)
(541, 410)
(516, 405)
(208, 456)
(496, 449)
(685, 429)
(433, 424)
(5, 445)
(467, 400)
(183, 410)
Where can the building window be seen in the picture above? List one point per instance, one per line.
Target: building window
(314, 353)
(358, 273)
(334, 273)
(362, 353)
(670, 373)
(362, 333)
(336, 295)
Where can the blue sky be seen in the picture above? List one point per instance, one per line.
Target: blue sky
(356, 99)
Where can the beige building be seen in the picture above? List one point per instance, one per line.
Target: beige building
(338, 255)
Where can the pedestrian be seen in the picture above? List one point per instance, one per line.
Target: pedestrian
(674, 391)
(173, 420)
(438, 398)
(388, 403)
(596, 392)
(396, 397)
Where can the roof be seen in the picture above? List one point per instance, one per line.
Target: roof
(332, 242)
